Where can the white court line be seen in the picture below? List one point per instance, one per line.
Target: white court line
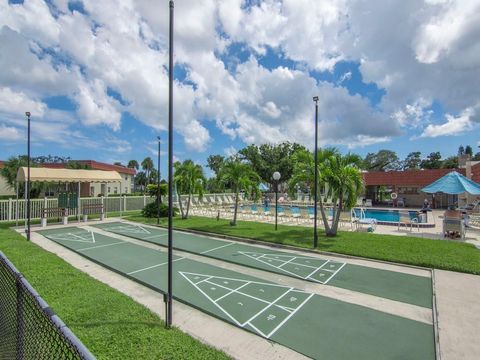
(288, 317)
(258, 330)
(219, 247)
(227, 278)
(231, 291)
(268, 306)
(101, 246)
(209, 298)
(153, 266)
(335, 273)
(318, 268)
(288, 261)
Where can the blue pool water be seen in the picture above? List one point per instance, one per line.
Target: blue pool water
(385, 215)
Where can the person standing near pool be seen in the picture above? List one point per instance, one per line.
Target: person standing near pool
(425, 209)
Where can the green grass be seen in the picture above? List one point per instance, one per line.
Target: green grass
(447, 255)
(109, 323)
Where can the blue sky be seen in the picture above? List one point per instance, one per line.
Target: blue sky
(94, 76)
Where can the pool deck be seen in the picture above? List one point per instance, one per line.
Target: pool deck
(432, 231)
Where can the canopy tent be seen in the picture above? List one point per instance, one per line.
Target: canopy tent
(263, 187)
(40, 174)
(453, 183)
(67, 175)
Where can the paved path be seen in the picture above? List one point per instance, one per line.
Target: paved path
(458, 307)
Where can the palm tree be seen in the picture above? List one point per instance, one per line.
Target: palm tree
(133, 164)
(147, 166)
(240, 176)
(338, 175)
(188, 179)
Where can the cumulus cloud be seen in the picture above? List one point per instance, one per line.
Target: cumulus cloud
(108, 65)
(455, 125)
(10, 133)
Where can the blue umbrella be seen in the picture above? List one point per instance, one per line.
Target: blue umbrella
(263, 187)
(453, 183)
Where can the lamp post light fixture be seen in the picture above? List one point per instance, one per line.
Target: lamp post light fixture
(276, 177)
(158, 184)
(315, 186)
(27, 188)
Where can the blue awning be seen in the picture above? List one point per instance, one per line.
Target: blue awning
(453, 183)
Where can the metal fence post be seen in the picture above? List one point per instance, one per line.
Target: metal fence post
(124, 203)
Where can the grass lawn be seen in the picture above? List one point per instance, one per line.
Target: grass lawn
(447, 255)
(109, 323)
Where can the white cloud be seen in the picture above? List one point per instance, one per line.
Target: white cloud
(455, 125)
(9, 133)
(230, 151)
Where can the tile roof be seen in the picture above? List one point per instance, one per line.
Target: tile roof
(407, 178)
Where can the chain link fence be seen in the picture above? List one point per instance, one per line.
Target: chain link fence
(28, 327)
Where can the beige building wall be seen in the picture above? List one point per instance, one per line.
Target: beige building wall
(123, 187)
(5, 189)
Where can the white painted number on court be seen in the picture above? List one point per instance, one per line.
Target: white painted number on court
(271, 317)
(292, 299)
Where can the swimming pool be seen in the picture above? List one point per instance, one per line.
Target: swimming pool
(385, 215)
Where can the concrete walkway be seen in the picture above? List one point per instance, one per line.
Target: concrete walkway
(458, 307)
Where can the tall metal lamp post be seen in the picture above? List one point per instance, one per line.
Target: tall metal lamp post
(276, 177)
(315, 189)
(28, 176)
(169, 295)
(158, 184)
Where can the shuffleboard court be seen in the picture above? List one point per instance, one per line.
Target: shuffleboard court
(407, 288)
(314, 325)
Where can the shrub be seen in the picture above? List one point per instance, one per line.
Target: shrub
(151, 211)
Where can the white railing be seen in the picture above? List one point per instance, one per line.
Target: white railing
(8, 208)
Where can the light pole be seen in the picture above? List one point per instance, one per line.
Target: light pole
(170, 170)
(28, 175)
(315, 189)
(276, 177)
(158, 184)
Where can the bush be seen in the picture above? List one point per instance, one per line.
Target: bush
(151, 211)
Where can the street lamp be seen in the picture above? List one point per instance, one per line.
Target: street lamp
(276, 177)
(169, 295)
(28, 175)
(315, 235)
(158, 184)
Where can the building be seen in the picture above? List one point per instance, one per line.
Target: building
(5, 189)
(96, 189)
(407, 185)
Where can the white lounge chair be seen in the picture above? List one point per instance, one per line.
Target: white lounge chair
(406, 220)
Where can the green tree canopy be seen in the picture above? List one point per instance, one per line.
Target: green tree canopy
(133, 164)
(450, 162)
(383, 160)
(339, 175)
(242, 177)
(147, 166)
(215, 163)
(189, 179)
(268, 158)
(433, 161)
(412, 161)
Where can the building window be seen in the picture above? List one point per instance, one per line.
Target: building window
(126, 177)
(126, 189)
(115, 190)
(92, 190)
(109, 190)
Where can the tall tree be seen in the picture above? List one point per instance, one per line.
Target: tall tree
(412, 161)
(468, 150)
(461, 150)
(215, 163)
(9, 172)
(141, 180)
(147, 166)
(450, 162)
(383, 160)
(242, 177)
(188, 179)
(433, 161)
(268, 158)
(340, 176)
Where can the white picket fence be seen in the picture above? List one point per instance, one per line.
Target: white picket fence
(8, 208)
